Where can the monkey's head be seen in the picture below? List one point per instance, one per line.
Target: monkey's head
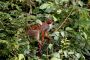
(49, 21)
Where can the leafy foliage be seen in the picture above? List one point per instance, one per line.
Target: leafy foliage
(69, 36)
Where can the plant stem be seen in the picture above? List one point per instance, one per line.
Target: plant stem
(65, 20)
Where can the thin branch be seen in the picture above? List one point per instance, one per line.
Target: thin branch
(47, 53)
(30, 11)
(64, 21)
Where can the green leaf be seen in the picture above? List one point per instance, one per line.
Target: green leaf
(66, 53)
(68, 29)
(54, 18)
(21, 56)
(80, 3)
(49, 7)
(56, 35)
(2, 35)
(59, 11)
(54, 58)
(85, 35)
(57, 1)
(50, 46)
(56, 55)
(62, 1)
(71, 52)
(63, 33)
(40, 1)
(44, 6)
(1, 25)
(21, 0)
(78, 55)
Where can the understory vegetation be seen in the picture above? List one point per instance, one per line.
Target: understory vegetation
(70, 33)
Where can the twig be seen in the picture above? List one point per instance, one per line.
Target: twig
(47, 53)
(30, 11)
(64, 21)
